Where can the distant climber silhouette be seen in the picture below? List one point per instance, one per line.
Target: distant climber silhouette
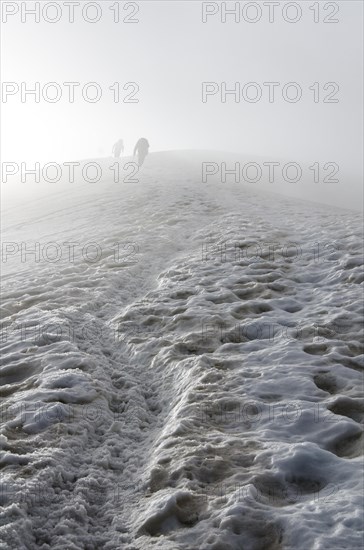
(142, 148)
(118, 148)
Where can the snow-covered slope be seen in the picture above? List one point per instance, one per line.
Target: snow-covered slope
(182, 382)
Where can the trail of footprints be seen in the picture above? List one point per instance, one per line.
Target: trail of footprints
(191, 452)
(200, 370)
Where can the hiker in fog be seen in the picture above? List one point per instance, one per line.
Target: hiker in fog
(118, 148)
(141, 148)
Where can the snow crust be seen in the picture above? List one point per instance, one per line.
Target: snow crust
(196, 386)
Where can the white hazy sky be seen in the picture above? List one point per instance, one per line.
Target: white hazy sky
(169, 53)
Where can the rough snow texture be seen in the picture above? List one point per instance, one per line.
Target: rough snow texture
(199, 389)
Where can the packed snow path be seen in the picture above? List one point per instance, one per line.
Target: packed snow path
(197, 385)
